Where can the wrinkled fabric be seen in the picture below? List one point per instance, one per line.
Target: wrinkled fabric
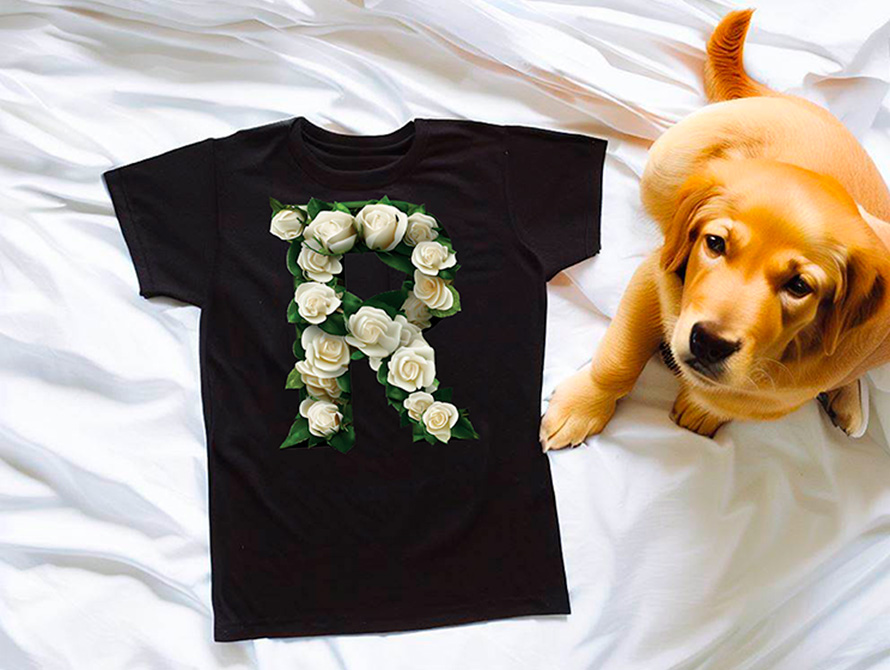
(766, 548)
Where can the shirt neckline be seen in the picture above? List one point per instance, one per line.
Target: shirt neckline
(328, 175)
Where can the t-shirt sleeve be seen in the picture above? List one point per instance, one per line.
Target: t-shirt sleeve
(166, 207)
(554, 189)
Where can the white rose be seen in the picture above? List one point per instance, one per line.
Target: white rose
(318, 266)
(432, 291)
(323, 388)
(416, 404)
(430, 257)
(373, 332)
(439, 418)
(287, 224)
(410, 331)
(412, 367)
(332, 231)
(382, 227)
(306, 369)
(326, 354)
(421, 228)
(323, 416)
(416, 311)
(315, 301)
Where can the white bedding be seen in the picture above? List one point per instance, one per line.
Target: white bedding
(766, 548)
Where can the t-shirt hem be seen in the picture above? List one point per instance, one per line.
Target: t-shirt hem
(352, 625)
(114, 182)
(594, 224)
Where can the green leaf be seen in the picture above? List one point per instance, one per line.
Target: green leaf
(344, 382)
(293, 315)
(403, 249)
(395, 393)
(389, 301)
(315, 206)
(299, 432)
(400, 263)
(402, 205)
(334, 324)
(455, 307)
(276, 206)
(294, 380)
(413, 209)
(449, 273)
(340, 207)
(383, 370)
(343, 440)
(443, 394)
(351, 303)
(357, 355)
(299, 352)
(463, 430)
(315, 440)
(292, 252)
(357, 204)
(407, 285)
(419, 432)
(385, 200)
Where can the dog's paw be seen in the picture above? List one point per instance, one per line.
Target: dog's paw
(847, 407)
(578, 409)
(687, 414)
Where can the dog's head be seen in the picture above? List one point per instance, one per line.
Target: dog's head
(777, 266)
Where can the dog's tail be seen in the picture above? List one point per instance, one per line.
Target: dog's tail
(725, 76)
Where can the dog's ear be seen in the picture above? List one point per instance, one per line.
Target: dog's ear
(856, 299)
(678, 237)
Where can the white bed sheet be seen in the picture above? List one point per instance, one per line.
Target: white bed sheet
(768, 547)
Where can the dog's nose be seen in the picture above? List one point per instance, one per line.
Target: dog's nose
(708, 347)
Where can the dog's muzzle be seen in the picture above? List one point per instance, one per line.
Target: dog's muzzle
(708, 350)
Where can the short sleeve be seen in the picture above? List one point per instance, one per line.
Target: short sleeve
(554, 188)
(166, 207)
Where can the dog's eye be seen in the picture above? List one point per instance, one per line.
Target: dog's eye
(798, 287)
(716, 244)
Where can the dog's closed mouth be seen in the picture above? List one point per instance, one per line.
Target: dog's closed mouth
(707, 371)
(691, 363)
(701, 372)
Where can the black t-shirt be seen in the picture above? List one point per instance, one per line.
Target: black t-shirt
(394, 534)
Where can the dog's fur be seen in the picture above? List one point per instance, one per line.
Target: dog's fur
(761, 197)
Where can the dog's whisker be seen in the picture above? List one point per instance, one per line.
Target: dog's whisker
(781, 366)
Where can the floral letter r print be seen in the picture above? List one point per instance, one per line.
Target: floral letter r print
(334, 326)
(395, 262)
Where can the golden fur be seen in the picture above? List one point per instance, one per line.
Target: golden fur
(776, 250)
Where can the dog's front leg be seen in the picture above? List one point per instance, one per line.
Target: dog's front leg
(847, 407)
(688, 414)
(583, 404)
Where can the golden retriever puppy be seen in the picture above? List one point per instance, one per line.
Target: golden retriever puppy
(771, 288)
